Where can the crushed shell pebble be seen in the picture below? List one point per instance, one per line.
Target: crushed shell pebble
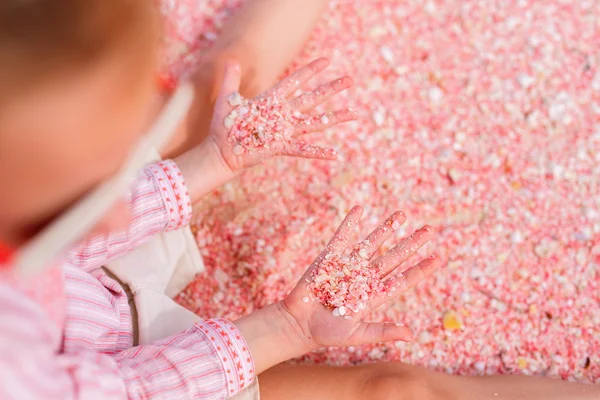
(259, 123)
(345, 283)
(505, 158)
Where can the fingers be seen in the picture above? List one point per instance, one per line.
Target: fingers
(402, 251)
(371, 332)
(310, 100)
(340, 238)
(304, 150)
(230, 85)
(296, 80)
(324, 121)
(416, 274)
(399, 284)
(367, 248)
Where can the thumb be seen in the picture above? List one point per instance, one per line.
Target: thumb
(230, 83)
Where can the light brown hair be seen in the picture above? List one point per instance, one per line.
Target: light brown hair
(42, 37)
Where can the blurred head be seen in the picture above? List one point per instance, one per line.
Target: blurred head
(77, 89)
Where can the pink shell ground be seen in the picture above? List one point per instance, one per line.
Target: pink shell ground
(480, 118)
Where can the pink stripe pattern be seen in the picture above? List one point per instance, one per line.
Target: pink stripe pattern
(89, 352)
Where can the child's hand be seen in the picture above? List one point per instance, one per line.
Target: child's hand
(352, 294)
(247, 132)
(329, 305)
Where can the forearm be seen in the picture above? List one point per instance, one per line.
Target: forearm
(157, 201)
(210, 360)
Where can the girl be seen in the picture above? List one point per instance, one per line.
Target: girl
(67, 125)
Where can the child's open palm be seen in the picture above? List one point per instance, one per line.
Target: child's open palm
(247, 132)
(341, 326)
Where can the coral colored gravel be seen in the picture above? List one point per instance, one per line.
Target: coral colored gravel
(343, 282)
(259, 123)
(481, 118)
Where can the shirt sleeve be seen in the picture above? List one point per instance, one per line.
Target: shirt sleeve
(159, 201)
(211, 360)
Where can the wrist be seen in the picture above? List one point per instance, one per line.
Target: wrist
(296, 332)
(215, 155)
(203, 169)
(273, 336)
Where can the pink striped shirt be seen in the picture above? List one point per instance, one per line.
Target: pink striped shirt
(67, 333)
